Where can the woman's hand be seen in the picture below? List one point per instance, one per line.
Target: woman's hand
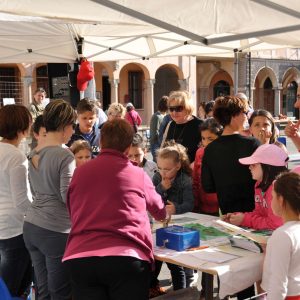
(292, 130)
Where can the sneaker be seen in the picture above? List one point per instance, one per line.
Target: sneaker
(156, 291)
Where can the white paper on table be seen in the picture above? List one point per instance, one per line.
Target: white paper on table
(213, 255)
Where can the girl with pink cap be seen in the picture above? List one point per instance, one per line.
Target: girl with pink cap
(265, 164)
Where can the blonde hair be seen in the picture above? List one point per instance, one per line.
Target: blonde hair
(182, 98)
(116, 108)
(177, 153)
(80, 145)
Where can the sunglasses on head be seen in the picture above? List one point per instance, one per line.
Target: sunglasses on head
(178, 108)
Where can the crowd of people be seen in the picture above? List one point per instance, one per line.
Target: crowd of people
(76, 211)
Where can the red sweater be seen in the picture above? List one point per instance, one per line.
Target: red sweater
(203, 202)
(108, 199)
(262, 217)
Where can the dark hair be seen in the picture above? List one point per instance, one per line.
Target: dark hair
(209, 106)
(138, 141)
(227, 107)
(14, 118)
(266, 114)
(85, 105)
(163, 104)
(287, 185)
(58, 114)
(116, 134)
(212, 125)
(38, 124)
(129, 108)
(269, 175)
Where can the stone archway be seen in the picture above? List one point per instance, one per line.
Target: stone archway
(167, 79)
(131, 87)
(103, 78)
(221, 84)
(290, 89)
(264, 96)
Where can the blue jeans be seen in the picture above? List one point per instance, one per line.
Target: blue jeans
(153, 148)
(181, 277)
(46, 249)
(15, 265)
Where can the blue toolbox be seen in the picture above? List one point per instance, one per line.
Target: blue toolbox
(177, 238)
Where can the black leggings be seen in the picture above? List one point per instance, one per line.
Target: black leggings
(109, 278)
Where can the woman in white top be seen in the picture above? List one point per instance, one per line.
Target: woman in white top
(281, 273)
(15, 197)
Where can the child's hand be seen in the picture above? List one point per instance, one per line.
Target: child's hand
(170, 208)
(236, 218)
(264, 136)
(226, 217)
(166, 183)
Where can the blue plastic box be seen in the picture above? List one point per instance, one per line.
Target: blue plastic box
(177, 238)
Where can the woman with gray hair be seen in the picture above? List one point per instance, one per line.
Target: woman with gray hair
(47, 221)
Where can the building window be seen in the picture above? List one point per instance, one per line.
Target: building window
(135, 88)
(221, 88)
(10, 84)
(42, 80)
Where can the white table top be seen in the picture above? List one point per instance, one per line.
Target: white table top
(241, 270)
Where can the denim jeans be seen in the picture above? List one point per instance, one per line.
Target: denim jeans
(46, 249)
(15, 265)
(153, 149)
(109, 278)
(181, 277)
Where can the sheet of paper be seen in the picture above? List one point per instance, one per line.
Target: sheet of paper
(212, 255)
(7, 101)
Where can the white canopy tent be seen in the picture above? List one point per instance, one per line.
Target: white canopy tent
(49, 31)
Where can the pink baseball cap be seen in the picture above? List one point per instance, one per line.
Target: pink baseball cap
(268, 154)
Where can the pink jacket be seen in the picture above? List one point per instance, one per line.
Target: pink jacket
(136, 117)
(262, 216)
(108, 199)
(203, 202)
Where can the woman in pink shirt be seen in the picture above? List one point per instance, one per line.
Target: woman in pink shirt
(109, 251)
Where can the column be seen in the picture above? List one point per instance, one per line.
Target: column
(114, 85)
(182, 84)
(277, 96)
(149, 100)
(27, 92)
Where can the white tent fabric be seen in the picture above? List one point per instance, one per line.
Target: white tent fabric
(46, 31)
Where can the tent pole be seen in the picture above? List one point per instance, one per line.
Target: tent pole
(148, 19)
(236, 71)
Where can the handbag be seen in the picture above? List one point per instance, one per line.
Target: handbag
(165, 134)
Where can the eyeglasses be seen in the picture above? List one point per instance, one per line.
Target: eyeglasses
(165, 171)
(178, 108)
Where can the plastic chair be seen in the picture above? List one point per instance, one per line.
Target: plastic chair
(4, 292)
